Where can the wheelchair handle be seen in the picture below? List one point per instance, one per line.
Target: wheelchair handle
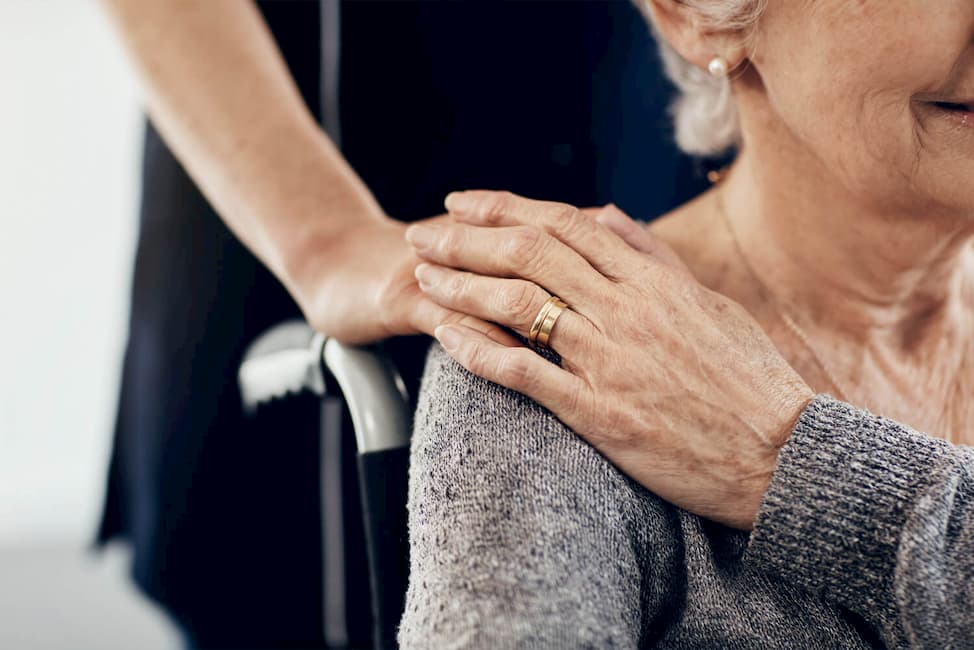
(375, 394)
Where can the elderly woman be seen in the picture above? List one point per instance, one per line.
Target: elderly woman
(844, 227)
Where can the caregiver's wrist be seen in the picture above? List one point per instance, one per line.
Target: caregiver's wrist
(324, 245)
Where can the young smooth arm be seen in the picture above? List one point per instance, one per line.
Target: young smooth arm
(221, 95)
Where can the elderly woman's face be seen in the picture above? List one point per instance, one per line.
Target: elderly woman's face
(879, 91)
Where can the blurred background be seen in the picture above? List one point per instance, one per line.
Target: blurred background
(70, 131)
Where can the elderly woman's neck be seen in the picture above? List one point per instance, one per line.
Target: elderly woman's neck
(904, 278)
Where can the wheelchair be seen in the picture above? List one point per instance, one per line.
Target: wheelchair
(292, 359)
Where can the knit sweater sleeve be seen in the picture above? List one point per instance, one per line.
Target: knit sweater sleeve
(877, 518)
(520, 533)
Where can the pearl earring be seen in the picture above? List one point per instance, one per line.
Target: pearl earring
(718, 67)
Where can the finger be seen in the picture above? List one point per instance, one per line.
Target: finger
(513, 252)
(637, 235)
(519, 369)
(599, 246)
(428, 315)
(515, 304)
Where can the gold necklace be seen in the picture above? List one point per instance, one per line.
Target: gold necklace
(769, 297)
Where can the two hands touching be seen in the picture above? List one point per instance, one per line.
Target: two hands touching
(674, 383)
(364, 290)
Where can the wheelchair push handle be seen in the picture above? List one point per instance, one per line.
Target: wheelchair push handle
(292, 358)
(375, 394)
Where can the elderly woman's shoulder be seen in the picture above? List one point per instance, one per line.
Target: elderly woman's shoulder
(464, 421)
(450, 392)
(521, 533)
(459, 408)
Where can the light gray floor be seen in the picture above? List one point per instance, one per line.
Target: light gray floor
(65, 598)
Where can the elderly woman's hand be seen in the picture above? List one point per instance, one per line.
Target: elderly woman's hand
(674, 383)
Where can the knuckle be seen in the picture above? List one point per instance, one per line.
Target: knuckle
(570, 222)
(513, 370)
(501, 201)
(472, 357)
(450, 243)
(493, 205)
(457, 284)
(492, 218)
(518, 302)
(524, 245)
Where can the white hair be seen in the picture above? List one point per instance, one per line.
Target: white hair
(704, 112)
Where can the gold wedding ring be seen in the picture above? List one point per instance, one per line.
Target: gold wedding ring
(545, 322)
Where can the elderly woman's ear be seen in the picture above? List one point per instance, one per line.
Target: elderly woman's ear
(695, 34)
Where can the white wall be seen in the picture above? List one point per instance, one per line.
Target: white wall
(70, 131)
(69, 152)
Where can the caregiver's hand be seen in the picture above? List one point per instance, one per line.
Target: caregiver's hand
(362, 288)
(674, 383)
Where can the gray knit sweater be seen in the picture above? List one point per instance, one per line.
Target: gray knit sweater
(523, 535)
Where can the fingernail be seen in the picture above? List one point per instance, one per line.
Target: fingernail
(428, 276)
(421, 237)
(449, 337)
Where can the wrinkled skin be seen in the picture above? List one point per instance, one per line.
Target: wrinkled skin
(851, 199)
(674, 383)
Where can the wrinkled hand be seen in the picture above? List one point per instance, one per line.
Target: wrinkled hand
(674, 383)
(363, 289)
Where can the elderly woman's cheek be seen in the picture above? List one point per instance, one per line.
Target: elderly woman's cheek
(888, 146)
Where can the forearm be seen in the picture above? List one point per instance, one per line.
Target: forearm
(877, 518)
(219, 91)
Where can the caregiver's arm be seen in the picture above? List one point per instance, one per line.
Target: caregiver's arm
(680, 389)
(220, 93)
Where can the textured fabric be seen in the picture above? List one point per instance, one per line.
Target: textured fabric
(562, 101)
(876, 517)
(523, 535)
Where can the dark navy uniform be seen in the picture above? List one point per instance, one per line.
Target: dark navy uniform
(560, 101)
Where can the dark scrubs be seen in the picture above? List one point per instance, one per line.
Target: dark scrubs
(559, 101)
